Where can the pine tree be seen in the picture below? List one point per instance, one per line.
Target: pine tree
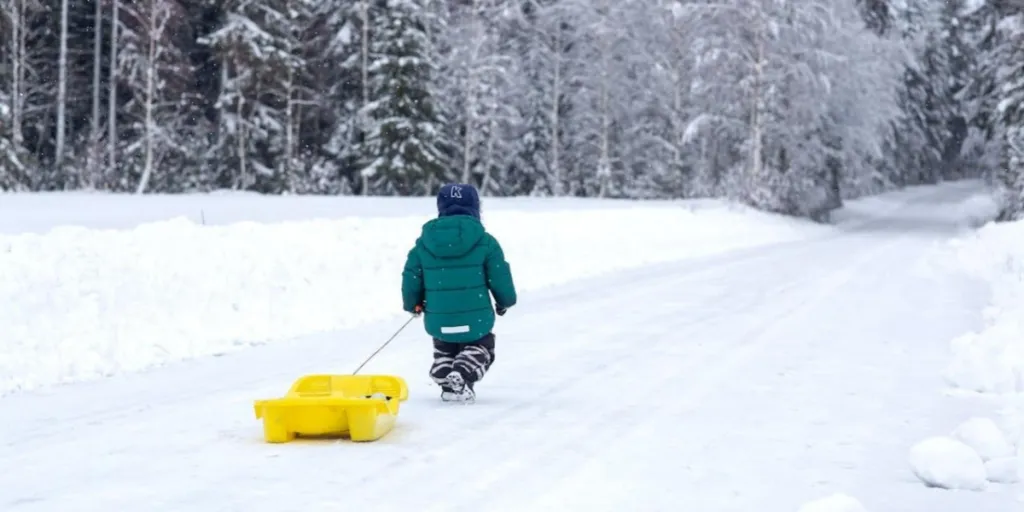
(978, 98)
(16, 172)
(338, 67)
(400, 148)
(922, 132)
(264, 85)
(157, 78)
(476, 79)
(962, 68)
(1010, 111)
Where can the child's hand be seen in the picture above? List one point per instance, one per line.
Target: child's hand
(417, 310)
(500, 310)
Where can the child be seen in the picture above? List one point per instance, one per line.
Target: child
(449, 276)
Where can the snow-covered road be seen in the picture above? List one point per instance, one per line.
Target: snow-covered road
(752, 381)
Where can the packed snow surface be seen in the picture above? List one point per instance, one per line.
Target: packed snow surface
(833, 503)
(669, 374)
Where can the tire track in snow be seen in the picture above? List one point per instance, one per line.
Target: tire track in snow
(537, 469)
(517, 420)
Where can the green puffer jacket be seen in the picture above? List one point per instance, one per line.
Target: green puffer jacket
(451, 271)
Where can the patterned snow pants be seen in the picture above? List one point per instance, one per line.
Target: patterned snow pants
(471, 360)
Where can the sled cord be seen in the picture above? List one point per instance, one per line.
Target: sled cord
(393, 336)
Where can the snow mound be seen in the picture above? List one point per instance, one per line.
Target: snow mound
(985, 437)
(1005, 470)
(992, 360)
(834, 503)
(78, 304)
(947, 463)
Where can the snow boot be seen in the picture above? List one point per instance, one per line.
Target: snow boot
(456, 389)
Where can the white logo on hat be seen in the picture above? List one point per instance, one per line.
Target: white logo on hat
(456, 192)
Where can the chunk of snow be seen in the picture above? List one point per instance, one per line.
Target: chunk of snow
(838, 502)
(985, 437)
(947, 463)
(1004, 470)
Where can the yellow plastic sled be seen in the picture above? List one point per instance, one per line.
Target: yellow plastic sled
(364, 407)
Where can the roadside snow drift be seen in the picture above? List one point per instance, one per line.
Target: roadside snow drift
(990, 363)
(949, 464)
(78, 303)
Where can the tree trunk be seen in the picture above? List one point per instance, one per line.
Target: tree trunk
(152, 57)
(365, 54)
(62, 86)
(556, 93)
(94, 133)
(470, 111)
(112, 100)
(755, 110)
(289, 128)
(488, 160)
(604, 161)
(240, 137)
(18, 59)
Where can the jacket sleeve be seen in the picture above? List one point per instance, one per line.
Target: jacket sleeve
(499, 276)
(413, 290)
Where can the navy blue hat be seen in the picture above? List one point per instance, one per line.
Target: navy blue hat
(458, 199)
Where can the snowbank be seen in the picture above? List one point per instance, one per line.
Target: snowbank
(947, 463)
(992, 360)
(985, 438)
(78, 303)
(975, 453)
(43, 211)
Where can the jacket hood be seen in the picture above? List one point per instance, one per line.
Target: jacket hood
(451, 237)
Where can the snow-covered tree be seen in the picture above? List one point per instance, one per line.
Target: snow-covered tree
(544, 37)
(978, 97)
(605, 52)
(156, 75)
(399, 151)
(862, 105)
(16, 62)
(1009, 177)
(475, 77)
(789, 106)
(263, 86)
(62, 88)
(340, 55)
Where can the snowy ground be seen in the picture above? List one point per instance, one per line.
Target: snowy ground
(710, 378)
(79, 303)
